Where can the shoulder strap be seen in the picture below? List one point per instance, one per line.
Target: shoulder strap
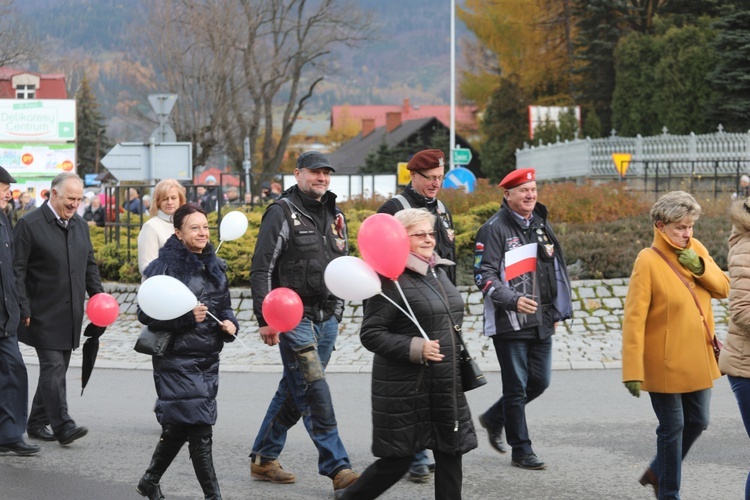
(687, 285)
(444, 299)
(402, 199)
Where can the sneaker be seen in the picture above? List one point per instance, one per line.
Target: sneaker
(344, 478)
(419, 474)
(271, 471)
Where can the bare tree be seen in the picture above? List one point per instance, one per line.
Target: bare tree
(16, 41)
(245, 68)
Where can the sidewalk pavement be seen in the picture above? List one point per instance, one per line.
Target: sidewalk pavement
(571, 350)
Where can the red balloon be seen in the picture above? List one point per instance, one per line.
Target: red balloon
(102, 309)
(384, 244)
(282, 309)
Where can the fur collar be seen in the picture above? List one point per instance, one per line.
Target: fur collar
(739, 214)
(183, 264)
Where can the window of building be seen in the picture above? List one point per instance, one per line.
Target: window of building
(26, 92)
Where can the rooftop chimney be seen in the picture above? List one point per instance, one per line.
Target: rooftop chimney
(368, 125)
(407, 106)
(392, 121)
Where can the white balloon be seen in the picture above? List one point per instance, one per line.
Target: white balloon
(233, 226)
(351, 278)
(164, 298)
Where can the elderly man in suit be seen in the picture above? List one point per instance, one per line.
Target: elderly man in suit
(54, 268)
(14, 383)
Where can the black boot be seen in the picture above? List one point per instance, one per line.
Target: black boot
(168, 448)
(202, 457)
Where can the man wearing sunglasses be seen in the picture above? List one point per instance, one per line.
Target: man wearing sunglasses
(427, 170)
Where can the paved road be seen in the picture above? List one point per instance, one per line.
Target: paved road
(595, 436)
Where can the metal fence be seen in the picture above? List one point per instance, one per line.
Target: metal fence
(707, 162)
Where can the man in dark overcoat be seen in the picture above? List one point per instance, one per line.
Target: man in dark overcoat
(54, 268)
(14, 383)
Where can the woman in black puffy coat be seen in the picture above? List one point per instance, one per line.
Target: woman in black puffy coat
(417, 399)
(187, 376)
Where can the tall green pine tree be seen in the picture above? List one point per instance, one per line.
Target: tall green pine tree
(599, 30)
(91, 130)
(505, 127)
(731, 77)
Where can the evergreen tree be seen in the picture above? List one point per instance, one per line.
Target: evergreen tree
(546, 132)
(632, 101)
(91, 130)
(592, 126)
(568, 125)
(505, 128)
(731, 76)
(599, 30)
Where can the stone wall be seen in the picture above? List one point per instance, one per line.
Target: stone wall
(590, 340)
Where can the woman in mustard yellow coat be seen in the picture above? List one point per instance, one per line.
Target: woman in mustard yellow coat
(666, 349)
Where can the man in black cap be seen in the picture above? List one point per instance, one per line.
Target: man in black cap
(299, 235)
(14, 383)
(54, 266)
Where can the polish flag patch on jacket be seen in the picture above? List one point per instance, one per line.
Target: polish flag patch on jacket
(520, 261)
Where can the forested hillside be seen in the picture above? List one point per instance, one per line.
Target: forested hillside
(408, 57)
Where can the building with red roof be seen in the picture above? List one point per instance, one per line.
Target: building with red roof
(22, 84)
(372, 117)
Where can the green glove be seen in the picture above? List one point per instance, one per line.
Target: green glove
(634, 386)
(690, 260)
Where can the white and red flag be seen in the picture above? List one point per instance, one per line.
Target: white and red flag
(520, 260)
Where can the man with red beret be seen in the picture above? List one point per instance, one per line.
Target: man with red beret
(519, 266)
(427, 171)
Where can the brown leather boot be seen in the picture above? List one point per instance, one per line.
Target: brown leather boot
(650, 478)
(271, 471)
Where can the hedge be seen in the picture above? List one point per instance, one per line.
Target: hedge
(601, 229)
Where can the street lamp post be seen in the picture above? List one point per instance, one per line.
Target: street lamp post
(453, 83)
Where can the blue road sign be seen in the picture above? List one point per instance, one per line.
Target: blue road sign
(460, 177)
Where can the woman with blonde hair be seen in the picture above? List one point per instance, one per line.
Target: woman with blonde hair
(667, 335)
(169, 195)
(418, 399)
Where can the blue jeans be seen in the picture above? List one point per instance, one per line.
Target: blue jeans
(303, 392)
(420, 458)
(526, 367)
(682, 418)
(741, 388)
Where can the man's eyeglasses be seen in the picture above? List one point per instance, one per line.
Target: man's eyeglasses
(423, 236)
(432, 178)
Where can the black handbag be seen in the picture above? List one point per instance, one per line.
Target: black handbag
(471, 375)
(153, 342)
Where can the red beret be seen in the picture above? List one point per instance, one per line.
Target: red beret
(426, 159)
(518, 177)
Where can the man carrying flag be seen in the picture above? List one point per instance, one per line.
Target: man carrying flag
(519, 266)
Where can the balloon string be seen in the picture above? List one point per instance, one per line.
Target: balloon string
(410, 314)
(235, 336)
(217, 248)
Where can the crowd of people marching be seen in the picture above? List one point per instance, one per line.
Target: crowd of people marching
(413, 327)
